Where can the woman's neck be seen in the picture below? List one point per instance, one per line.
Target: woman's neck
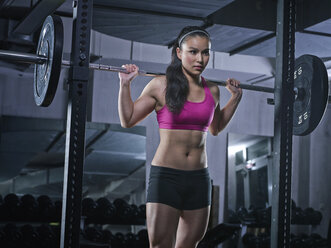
(193, 79)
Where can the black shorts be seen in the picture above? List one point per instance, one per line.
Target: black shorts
(181, 189)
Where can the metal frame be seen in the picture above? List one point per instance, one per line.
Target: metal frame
(76, 120)
(246, 45)
(284, 99)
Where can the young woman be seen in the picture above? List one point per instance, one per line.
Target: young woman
(187, 106)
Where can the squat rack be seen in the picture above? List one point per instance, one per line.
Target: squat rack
(76, 118)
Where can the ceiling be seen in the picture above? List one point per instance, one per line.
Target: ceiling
(236, 27)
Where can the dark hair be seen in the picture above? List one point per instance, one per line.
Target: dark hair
(177, 85)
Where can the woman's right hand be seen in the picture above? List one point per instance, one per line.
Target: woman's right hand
(126, 78)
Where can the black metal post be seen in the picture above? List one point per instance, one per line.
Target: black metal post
(284, 99)
(76, 119)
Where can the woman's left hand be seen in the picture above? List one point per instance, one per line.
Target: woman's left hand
(233, 87)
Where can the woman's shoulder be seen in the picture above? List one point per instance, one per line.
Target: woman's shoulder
(158, 82)
(156, 86)
(213, 87)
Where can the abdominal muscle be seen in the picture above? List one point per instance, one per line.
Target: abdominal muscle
(181, 149)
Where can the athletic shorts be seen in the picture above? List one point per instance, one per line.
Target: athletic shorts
(181, 189)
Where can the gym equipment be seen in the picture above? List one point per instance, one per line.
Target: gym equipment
(30, 238)
(89, 208)
(142, 211)
(123, 211)
(50, 46)
(48, 238)
(311, 87)
(28, 207)
(92, 234)
(46, 208)
(13, 236)
(105, 210)
(130, 240)
(142, 238)
(11, 207)
(302, 240)
(107, 236)
(310, 76)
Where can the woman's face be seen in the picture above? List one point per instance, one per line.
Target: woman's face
(194, 54)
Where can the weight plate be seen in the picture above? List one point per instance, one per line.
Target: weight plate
(46, 76)
(311, 87)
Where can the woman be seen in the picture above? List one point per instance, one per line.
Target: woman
(179, 191)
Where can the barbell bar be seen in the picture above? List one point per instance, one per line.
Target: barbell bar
(41, 59)
(310, 76)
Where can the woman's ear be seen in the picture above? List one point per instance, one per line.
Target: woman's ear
(179, 53)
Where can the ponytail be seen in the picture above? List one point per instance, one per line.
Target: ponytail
(177, 85)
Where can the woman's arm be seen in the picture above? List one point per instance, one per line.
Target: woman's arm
(130, 112)
(223, 116)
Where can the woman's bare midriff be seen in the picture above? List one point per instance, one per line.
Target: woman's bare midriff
(181, 149)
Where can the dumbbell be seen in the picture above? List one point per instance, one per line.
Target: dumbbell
(134, 213)
(130, 240)
(123, 211)
(89, 208)
(47, 237)
(2, 236)
(118, 241)
(46, 208)
(28, 207)
(30, 238)
(107, 237)
(13, 236)
(142, 238)
(11, 204)
(142, 211)
(106, 211)
(92, 234)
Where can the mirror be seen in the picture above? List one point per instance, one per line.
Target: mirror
(249, 184)
(32, 157)
(249, 171)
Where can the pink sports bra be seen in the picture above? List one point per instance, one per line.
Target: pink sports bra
(193, 116)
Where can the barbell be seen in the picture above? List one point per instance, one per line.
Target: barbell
(310, 76)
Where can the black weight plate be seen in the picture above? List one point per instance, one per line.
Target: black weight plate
(46, 76)
(311, 85)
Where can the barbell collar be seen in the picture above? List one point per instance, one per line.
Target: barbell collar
(23, 57)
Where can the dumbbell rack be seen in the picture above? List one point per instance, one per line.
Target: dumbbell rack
(31, 215)
(252, 224)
